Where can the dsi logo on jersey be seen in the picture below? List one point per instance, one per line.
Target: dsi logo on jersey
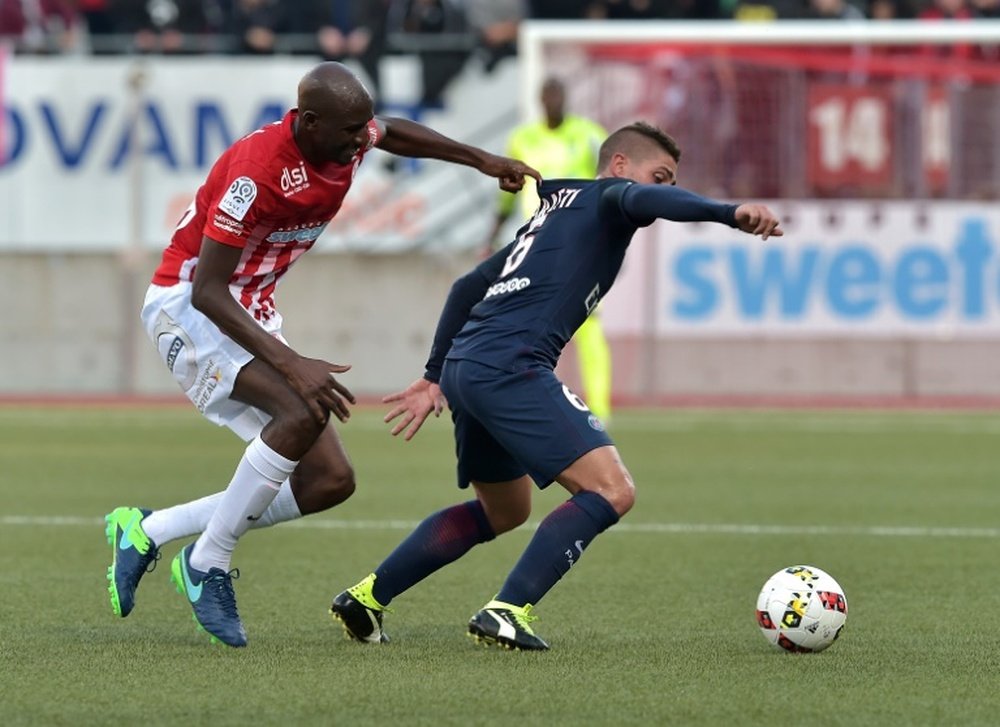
(507, 286)
(294, 180)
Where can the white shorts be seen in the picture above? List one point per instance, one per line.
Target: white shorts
(202, 359)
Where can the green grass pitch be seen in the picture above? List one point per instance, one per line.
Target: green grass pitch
(654, 627)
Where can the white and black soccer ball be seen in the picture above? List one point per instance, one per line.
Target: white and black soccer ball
(801, 609)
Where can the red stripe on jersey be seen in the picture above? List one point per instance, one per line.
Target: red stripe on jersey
(269, 282)
(249, 266)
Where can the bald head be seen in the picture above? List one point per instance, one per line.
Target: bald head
(334, 111)
(331, 86)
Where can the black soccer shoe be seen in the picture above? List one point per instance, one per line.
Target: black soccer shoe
(506, 625)
(360, 614)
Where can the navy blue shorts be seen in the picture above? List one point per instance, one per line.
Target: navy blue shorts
(508, 425)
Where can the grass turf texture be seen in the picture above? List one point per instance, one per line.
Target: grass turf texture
(655, 626)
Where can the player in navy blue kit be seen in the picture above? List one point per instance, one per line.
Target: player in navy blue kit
(499, 337)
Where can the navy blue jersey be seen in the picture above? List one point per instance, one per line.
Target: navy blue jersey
(520, 308)
(562, 262)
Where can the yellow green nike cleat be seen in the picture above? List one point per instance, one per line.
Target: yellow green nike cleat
(212, 599)
(133, 555)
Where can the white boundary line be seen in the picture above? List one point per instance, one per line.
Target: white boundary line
(882, 531)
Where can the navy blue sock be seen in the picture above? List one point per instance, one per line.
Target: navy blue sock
(440, 539)
(556, 546)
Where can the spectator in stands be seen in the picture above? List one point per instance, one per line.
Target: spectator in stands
(948, 10)
(890, 10)
(343, 30)
(255, 25)
(438, 32)
(986, 8)
(98, 18)
(496, 23)
(764, 10)
(834, 10)
(637, 9)
(38, 26)
(695, 10)
(168, 26)
(564, 9)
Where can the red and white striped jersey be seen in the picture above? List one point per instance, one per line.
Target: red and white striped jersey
(262, 196)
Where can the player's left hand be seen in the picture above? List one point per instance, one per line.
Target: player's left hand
(510, 172)
(757, 219)
(416, 403)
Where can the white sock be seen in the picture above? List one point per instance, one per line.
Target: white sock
(254, 486)
(191, 518)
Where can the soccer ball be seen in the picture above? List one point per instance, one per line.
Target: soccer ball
(801, 609)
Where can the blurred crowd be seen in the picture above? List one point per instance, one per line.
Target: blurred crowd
(363, 29)
(443, 33)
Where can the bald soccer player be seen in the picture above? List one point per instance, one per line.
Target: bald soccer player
(210, 312)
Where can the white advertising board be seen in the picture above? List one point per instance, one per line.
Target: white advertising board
(921, 269)
(106, 153)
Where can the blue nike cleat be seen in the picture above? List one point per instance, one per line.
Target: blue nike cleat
(133, 555)
(211, 597)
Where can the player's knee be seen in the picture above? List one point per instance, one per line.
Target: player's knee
(620, 494)
(623, 498)
(509, 518)
(320, 488)
(336, 482)
(340, 485)
(507, 515)
(298, 423)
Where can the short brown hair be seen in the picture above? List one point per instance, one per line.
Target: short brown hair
(631, 139)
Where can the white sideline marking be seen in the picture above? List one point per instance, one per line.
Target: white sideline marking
(884, 531)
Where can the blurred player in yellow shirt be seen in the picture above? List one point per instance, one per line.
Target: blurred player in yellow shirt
(563, 145)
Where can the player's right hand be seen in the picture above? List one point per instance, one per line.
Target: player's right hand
(314, 380)
(416, 402)
(510, 172)
(757, 219)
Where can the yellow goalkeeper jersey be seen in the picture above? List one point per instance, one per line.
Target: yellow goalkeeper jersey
(570, 150)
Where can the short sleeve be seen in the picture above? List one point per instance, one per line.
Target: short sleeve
(375, 134)
(242, 199)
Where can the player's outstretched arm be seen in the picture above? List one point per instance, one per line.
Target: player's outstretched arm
(643, 203)
(410, 139)
(413, 406)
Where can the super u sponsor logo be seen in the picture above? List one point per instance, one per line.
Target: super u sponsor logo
(302, 234)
